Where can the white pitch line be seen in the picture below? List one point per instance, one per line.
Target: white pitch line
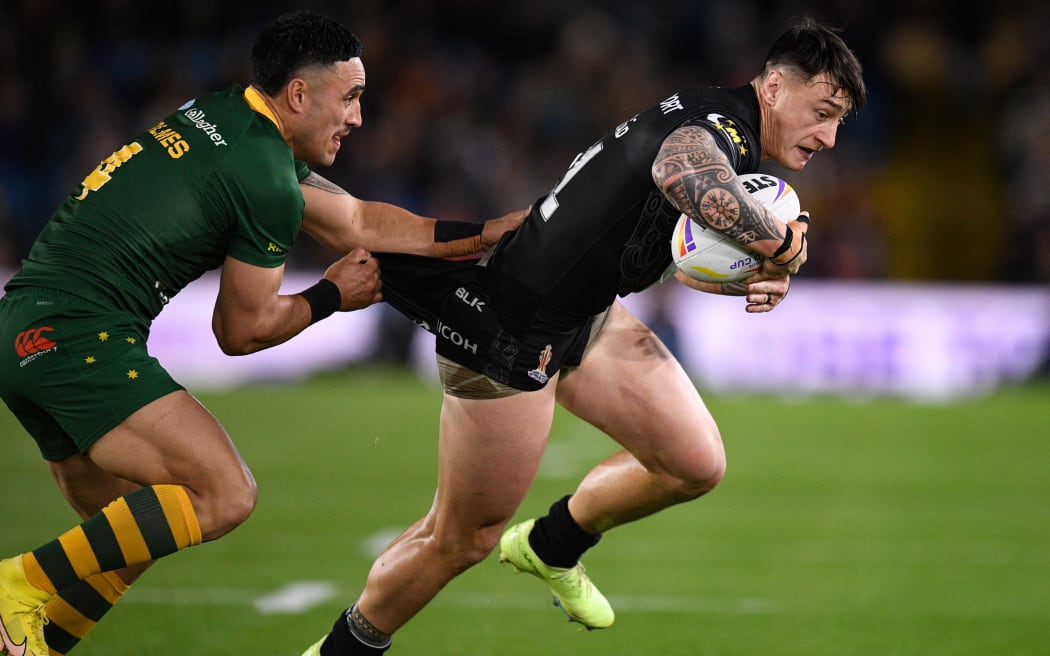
(296, 597)
(300, 596)
(203, 596)
(375, 543)
(665, 604)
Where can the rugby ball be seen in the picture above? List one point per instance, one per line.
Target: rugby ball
(707, 255)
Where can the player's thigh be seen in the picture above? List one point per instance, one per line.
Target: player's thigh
(173, 439)
(631, 387)
(489, 452)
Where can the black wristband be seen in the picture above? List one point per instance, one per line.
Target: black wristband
(324, 299)
(453, 230)
(801, 247)
(785, 245)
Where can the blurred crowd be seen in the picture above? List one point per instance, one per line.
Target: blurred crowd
(475, 108)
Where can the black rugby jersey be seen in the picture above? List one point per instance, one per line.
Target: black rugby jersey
(605, 228)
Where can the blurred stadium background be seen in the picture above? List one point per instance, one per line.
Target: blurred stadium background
(474, 109)
(870, 524)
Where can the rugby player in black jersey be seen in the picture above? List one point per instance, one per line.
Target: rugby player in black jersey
(538, 323)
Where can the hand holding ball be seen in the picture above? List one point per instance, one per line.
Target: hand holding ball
(710, 256)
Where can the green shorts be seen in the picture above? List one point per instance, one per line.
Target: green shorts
(71, 370)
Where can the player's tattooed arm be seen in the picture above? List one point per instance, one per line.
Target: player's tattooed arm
(738, 288)
(696, 178)
(319, 182)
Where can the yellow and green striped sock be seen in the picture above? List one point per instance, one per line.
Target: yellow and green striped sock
(145, 525)
(75, 610)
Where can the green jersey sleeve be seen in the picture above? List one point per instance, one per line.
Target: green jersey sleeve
(268, 214)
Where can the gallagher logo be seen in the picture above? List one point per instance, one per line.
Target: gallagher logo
(32, 341)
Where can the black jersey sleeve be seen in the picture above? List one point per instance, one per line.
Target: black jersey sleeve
(732, 116)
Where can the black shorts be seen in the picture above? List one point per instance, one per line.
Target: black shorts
(483, 320)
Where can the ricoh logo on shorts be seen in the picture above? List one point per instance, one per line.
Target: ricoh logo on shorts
(446, 332)
(197, 117)
(31, 344)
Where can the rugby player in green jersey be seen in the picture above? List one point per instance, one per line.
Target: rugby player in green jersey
(222, 182)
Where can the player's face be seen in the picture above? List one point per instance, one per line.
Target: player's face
(334, 109)
(803, 118)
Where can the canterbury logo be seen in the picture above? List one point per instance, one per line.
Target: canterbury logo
(33, 341)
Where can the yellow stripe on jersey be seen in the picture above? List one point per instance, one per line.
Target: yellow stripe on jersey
(256, 102)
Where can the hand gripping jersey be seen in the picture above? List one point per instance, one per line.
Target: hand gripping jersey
(215, 178)
(602, 231)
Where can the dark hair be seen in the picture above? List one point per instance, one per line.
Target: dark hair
(812, 49)
(295, 41)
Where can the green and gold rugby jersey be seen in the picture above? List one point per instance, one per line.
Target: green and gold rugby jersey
(215, 178)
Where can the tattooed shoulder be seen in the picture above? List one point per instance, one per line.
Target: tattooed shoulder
(315, 180)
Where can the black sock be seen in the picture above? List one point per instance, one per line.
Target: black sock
(557, 539)
(343, 642)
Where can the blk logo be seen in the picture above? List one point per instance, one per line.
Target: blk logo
(33, 341)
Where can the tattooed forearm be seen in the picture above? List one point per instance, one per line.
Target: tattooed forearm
(315, 180)
(724, 288)
(734, 289)
(696, 177)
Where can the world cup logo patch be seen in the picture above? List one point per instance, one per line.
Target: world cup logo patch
(539, 374)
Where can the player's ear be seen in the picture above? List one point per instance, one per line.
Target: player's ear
(295, 94)
(772, 83)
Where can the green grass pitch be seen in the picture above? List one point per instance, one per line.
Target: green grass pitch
(842, 528)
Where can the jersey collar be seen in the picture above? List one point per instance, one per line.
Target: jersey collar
(256, 102)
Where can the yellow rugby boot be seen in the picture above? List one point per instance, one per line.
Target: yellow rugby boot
(22, 616)
(573, 591)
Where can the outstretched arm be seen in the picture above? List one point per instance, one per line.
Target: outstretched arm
(336, 218)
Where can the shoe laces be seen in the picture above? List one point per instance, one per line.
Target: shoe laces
(576, 577)
(37, 619)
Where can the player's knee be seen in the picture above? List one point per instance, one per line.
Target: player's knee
(480, 545)
(485, 541)
(701, 471)
(708, 475)
(465, 551)
(228, 509)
